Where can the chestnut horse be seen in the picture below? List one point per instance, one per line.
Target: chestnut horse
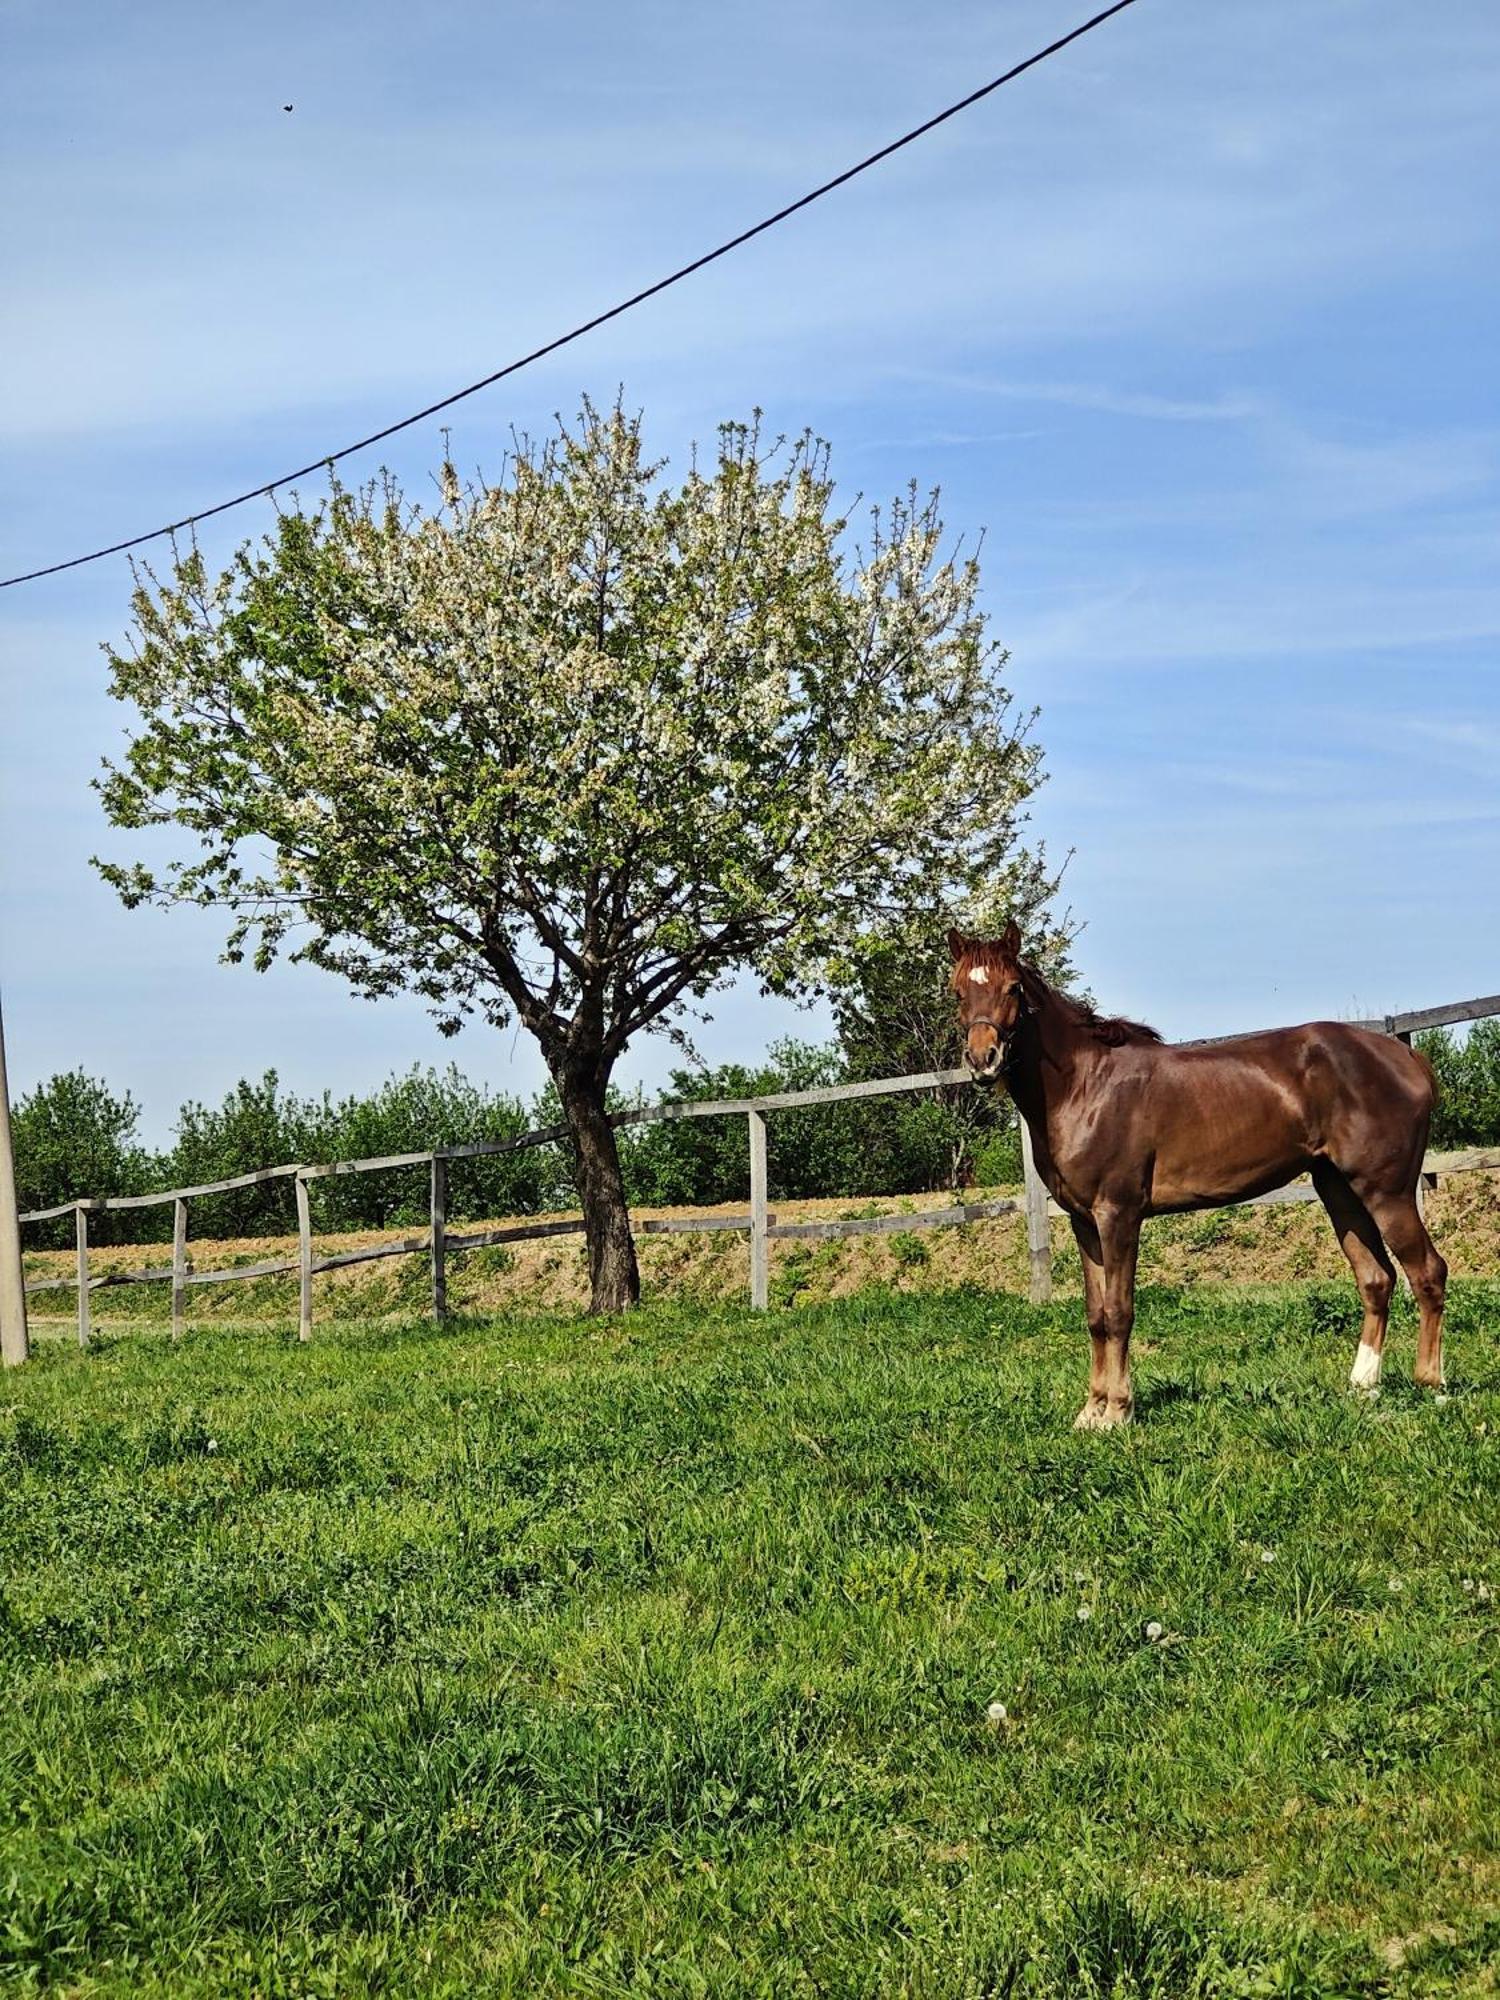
(1123, 1127)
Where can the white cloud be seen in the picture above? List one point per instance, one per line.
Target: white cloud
(1218, 617)
(1098, 396)
(1381, 474)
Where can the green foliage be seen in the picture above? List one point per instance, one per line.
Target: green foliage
(909, 1251)
(997, 1159)
(559, 1658)
(573, 748)
(575, 745)
(1468, 1074)
(880, 1145)
(259, 1125)
(74, 1138)
(414, 1113)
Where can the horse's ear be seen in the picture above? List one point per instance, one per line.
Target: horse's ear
(1011, 942)
(958, 944)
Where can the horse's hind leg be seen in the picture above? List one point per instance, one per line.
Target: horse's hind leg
(1400, 1222)
(1360, 1240)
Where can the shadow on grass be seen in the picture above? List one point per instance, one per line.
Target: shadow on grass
(1153, 1396)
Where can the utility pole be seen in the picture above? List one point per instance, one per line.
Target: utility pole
(15, 1342)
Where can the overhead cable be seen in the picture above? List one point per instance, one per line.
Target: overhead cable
(576, 333)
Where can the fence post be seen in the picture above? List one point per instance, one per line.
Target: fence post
(1038, 1229)
(15, 1340)
(439, 1237)
(304, 1261)
(179, 1266)
(81, 1237)
(760, 1247)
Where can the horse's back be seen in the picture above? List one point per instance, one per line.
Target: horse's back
(1233, 1118)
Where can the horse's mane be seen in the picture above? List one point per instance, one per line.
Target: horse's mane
(1113, 1030)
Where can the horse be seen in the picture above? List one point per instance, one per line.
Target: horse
(1123, 1126)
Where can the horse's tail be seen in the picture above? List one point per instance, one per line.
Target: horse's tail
(1429, 1072)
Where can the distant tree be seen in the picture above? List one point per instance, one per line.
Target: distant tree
(685, 1162)
(258, 1124)
(413, 1113)
(575, 747)
(75, 1138)
(1468, 1074)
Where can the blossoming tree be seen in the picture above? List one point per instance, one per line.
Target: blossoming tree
(573, 747)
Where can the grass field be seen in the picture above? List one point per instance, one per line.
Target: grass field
(543, 1656)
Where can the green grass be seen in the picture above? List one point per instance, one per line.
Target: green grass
(653, 1657)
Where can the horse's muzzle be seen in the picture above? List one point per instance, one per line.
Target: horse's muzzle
(991, 1063)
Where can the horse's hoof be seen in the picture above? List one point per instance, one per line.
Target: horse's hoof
(1098, 1415)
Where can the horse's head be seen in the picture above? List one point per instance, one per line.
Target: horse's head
(991, 1002)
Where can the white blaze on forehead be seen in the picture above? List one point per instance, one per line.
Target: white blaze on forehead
(979, 976)
(1365, 1374)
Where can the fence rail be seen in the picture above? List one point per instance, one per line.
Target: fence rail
(759, 1224)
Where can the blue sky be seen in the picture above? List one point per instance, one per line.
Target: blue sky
(1198, 323)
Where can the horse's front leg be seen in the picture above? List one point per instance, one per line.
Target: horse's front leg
(1092, 1416)
(1108, 1243)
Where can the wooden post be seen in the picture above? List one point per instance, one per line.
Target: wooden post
(15, 1339)
(179, 1266)
(304, 1260)
(439, 1238)
(1038, 1230)
(760, 1246)
(81, 1237)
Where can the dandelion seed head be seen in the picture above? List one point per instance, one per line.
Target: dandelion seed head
(998, 1712)
(1153, 1632)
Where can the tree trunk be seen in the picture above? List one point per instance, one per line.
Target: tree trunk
(614, 1278)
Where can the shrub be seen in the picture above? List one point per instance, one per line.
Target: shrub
(1468, 1074)
(909, 1251)
(74, 1137)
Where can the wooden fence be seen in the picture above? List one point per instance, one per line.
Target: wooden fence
(760, 1224)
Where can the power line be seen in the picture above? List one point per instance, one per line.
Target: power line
(588, 325)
